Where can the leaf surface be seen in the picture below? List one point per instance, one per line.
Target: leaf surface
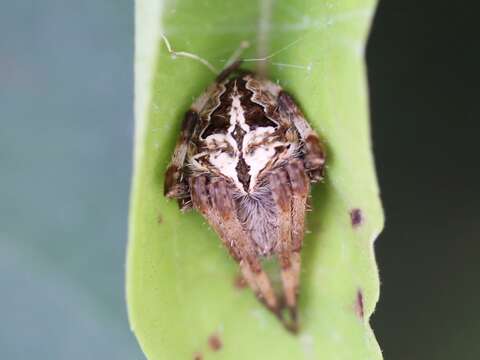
(180, 280)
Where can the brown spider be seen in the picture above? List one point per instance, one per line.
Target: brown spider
(245, 159)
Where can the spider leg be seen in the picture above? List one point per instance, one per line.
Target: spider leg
(314, 149)
(300, 188)
(259, 282)
(233, 63)
(214, 200)
(290, 186)
(175, 185)
(300, 184)
(228, 70)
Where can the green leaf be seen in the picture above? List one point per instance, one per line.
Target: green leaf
(180, 281)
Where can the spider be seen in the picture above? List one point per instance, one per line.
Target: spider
(245, 159)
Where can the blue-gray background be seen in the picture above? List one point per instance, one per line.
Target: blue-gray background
(66, 148)
(65, 155)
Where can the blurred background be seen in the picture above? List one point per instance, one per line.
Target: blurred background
(65, 150)
(424, 63)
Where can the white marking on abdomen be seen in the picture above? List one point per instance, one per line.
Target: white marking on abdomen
(225, 163)
(262, 154)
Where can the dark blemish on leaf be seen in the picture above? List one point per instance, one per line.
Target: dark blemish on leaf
(239, 282)
(197, 356)
(159, 219)
(359, 304)
(356, 217)
(214, 342)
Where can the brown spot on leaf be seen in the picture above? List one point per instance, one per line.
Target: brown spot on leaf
(214, 342)
(239, 282)
(359, 304)
(159, 219)
(197, 356)
(356, 217)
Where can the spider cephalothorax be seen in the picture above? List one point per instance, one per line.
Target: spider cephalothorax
(245, 160)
